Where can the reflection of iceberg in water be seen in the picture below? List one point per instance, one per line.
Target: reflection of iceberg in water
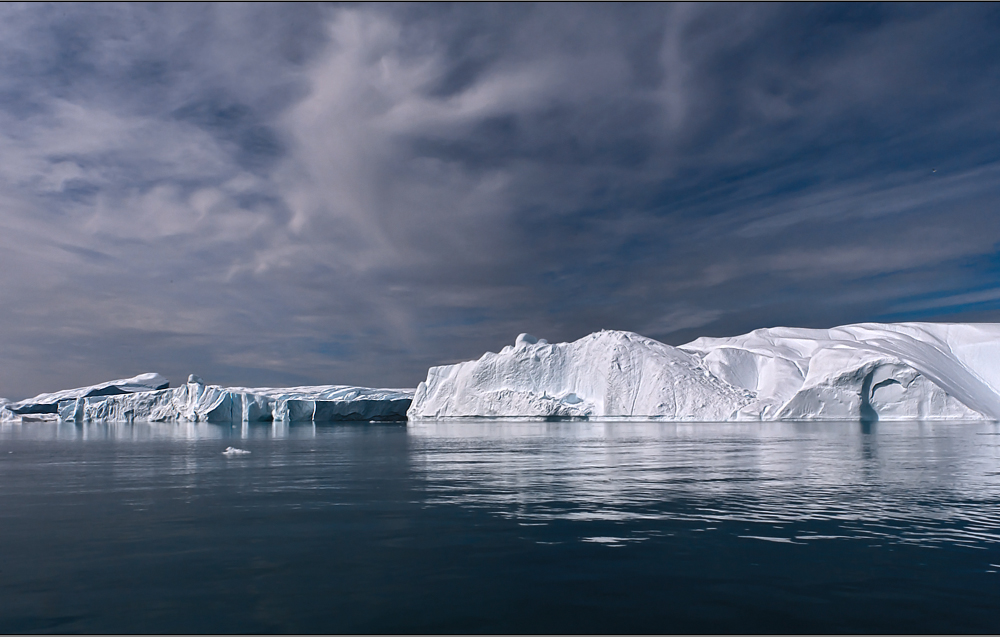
(152, 431)
(911, 482)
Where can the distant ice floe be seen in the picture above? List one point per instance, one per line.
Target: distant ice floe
(902, 371)
(147, 397)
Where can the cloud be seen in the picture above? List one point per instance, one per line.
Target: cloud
(271, 194)
(681, 319)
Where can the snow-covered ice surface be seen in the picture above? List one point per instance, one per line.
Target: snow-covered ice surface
(600, 375)
(195, 401)
(899, 371)
(869, 371)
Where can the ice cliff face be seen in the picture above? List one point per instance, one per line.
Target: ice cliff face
(195, 401)
(866, 371)
(49, 403)
(606, 374)
(897, 371)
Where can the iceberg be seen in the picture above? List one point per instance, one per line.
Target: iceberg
(606, 374)
(150, 398)
(48, 404)
(868, 371)
(197, 402)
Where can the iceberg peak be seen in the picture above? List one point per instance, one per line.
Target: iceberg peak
(524, 339)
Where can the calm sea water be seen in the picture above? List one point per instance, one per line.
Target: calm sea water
(501, 527)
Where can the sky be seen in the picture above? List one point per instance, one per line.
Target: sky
(282, 194)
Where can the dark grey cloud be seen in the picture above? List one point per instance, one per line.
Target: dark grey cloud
(272, 194)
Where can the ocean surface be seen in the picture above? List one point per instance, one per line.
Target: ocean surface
(501, 527)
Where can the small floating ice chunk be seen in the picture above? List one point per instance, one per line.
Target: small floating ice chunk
(603, 540)
(767, 538)
(233, 451)
(612, 541)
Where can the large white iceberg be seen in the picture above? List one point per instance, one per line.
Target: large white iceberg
(604, 374)
(867, 371)
(196, 401)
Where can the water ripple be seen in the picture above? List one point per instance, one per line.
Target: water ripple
(929, 484)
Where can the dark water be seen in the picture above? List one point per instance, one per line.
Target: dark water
(501, 527)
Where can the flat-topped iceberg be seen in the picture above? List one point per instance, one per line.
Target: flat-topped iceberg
(196, 401)
(867, 371)
(49, 403)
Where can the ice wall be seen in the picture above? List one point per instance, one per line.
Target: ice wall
(212, 403)
(196, 401)
(49, 403)
(867, 371)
